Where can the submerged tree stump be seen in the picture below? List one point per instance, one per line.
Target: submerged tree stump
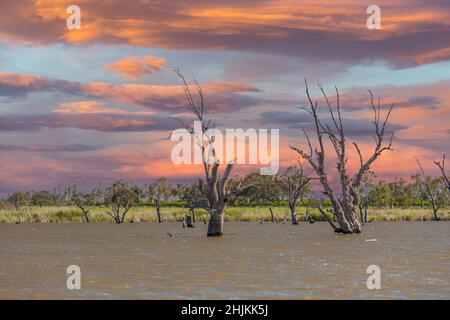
(309, 218)
(188, 221)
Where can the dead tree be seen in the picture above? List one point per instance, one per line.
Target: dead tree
(441, 166)
(214, 185)
(345, 206)
(294, 182)
(431, 192)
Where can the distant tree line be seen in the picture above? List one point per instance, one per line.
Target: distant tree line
(290, 188)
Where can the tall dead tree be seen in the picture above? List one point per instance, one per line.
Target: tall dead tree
(214, 185)
(441, 166)
(431, 191)
(344, 207)
(294, 181)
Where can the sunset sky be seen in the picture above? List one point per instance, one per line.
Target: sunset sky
(93, 105)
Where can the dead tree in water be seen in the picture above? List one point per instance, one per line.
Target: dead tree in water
(294, 182)
(188, 221)
(345, 207)
(441, 166)
(214, 185)
(431, 191)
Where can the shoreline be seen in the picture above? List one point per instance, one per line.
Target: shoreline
(260, 214)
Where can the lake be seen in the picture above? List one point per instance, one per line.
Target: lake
(252, 261)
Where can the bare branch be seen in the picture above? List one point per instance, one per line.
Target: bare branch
(441, 166)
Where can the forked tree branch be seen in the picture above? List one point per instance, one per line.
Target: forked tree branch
(441, 166)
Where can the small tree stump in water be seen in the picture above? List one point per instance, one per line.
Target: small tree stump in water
(309, 218)
(188, 221)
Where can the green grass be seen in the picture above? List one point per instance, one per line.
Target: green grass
(145, 214)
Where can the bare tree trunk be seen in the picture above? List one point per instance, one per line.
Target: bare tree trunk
(293, 214)
(115, 214)
(435, 214)
(86, 215)
(308, 217)
(188, 220)
(435, 210)
(83, 209)
(361, 214)
(348, 221)
(158, 213)
(271, 215)
(193, 214)
(215, 224)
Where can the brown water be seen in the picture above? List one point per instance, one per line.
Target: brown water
(253, 260)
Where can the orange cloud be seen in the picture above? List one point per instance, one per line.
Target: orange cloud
(18, 80)
(94, 107)
(436, 55)
(413, 31)
(135, 68)
(85, 107)
(222, 96)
